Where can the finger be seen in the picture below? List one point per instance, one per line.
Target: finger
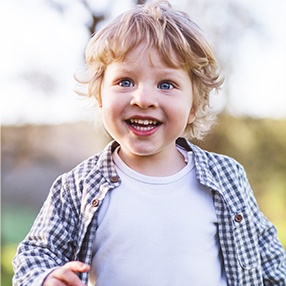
(69, 277)
(76, 266)
(66, 275)
(61, 277)
(53, 281)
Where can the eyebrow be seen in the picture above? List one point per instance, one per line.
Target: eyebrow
(169, 73)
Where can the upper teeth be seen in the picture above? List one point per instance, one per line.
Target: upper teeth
(143, 121)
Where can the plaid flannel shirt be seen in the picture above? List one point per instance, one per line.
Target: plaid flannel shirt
(66, 225)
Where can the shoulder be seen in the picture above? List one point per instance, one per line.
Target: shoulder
(97, 163)
(67, 190)
(215, 163)
(209, 159)
(223, 174)
(86, 174)
(226, 176)
(83, 169)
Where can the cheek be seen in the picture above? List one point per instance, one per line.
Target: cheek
(106, 113)
(108, 120)
(111, 109)
(180, 114)
(106, 100)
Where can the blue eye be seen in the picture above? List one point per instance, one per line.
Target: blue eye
(165, 85)
(125, 83)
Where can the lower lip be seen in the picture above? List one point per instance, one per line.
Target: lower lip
(142, 131)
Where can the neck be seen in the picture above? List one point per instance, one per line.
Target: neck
(157, 165)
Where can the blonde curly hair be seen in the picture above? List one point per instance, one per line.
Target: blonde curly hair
(168, 31)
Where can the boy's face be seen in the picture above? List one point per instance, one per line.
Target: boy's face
(145, 104)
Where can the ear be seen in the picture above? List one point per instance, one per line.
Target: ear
(192, 116)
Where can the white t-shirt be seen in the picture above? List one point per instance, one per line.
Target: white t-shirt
(157, 231)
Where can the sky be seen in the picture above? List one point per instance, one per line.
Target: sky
(41, 50)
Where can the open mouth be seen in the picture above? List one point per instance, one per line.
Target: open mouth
(143, 124)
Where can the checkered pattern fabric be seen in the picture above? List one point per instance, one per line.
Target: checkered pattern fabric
(66, 225)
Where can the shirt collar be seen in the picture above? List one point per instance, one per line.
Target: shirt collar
(219, 173)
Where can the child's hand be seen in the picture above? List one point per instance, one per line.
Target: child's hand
(66, 275)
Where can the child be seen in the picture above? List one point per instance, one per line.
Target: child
(152, 208)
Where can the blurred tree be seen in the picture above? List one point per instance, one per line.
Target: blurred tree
(139, 2)
(95, 14)
(95, 18)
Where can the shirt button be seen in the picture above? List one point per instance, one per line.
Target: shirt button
(114, 179)
(95, 203)
(238, 218)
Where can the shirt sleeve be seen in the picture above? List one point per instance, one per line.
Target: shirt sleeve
(273, 257)
(272, 253)
(51, 240)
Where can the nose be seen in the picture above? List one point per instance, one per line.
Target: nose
(144, 97)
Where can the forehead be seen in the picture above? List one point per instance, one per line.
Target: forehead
(152, 55)
(140, 52)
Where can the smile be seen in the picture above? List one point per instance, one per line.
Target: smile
(143, 125)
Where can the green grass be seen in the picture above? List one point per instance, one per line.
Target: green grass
(16, 222)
